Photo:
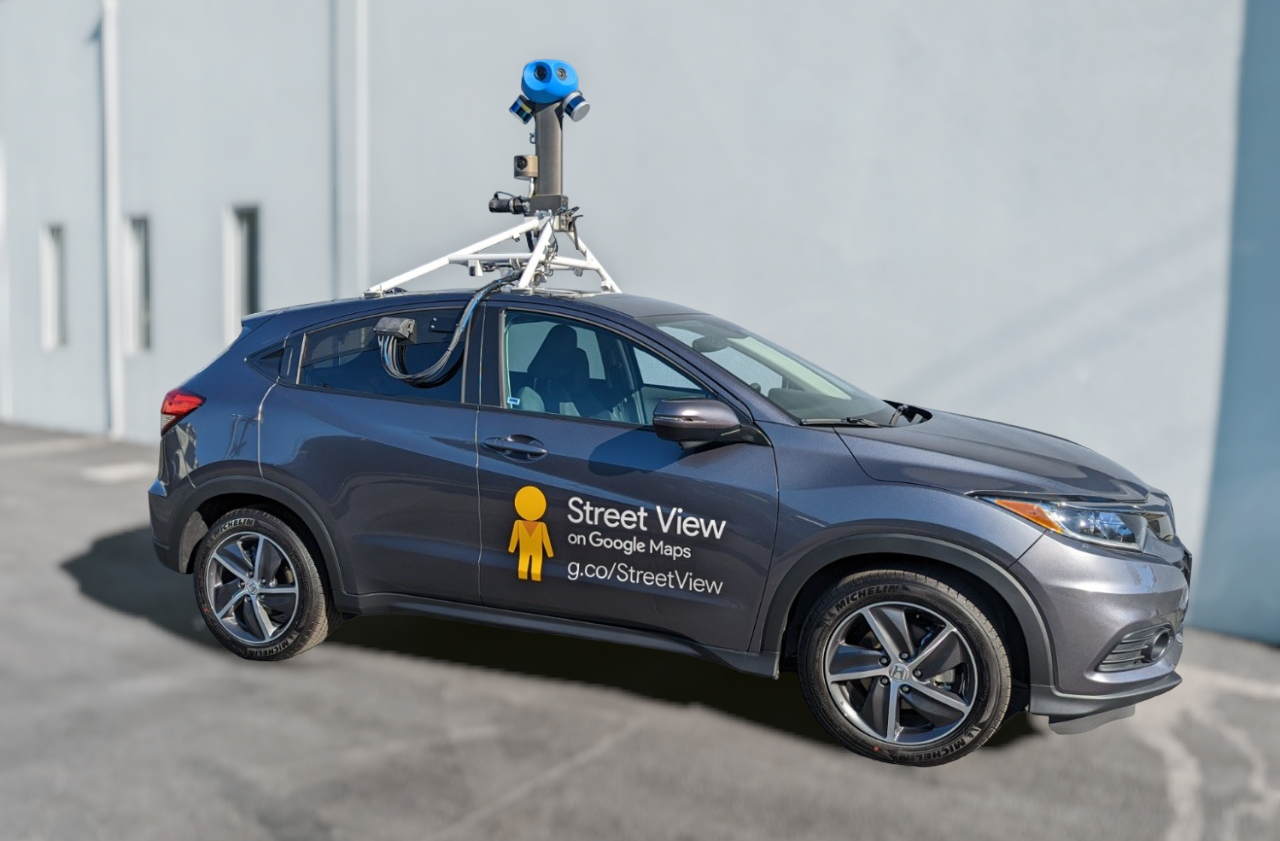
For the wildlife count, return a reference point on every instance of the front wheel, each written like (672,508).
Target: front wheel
(259,589)
(904,668)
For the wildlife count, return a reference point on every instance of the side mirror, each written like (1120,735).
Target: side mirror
(695,420)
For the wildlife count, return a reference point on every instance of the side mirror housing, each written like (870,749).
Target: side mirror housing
(696,420)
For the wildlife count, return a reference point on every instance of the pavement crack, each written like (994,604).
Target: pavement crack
(1184,779)
(544,778)
(1185,773)
(1265,804)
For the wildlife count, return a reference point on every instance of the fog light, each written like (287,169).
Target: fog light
(1158,648)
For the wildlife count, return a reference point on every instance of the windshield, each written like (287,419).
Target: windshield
(802,390)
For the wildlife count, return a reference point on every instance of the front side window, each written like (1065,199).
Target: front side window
(347,358)
(799,388)
(559,366)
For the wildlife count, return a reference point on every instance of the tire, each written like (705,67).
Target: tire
(941,701)
(259,589)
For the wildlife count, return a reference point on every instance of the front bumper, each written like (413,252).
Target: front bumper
(1060,707)
(1093,601)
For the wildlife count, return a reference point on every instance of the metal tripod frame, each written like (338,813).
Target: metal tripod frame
(534,266)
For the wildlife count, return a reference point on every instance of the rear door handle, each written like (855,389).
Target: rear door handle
(521,447)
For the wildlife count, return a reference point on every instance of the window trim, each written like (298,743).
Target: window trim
(139,321)
(495,398)
(52,269)
(302,341)
(241,264)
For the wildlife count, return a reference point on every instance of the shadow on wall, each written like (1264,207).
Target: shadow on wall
(1237,586)
(122,573)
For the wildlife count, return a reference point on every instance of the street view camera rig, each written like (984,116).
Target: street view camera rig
(548,92)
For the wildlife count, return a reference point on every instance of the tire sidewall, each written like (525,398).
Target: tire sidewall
(990,700)
(310,588)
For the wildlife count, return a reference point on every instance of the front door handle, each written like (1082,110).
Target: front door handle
(520,447)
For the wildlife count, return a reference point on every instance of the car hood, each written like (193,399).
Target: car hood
(967,454)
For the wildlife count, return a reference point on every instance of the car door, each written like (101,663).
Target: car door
(390,466)
(586,513)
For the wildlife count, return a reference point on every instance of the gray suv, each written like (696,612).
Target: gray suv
(619,468)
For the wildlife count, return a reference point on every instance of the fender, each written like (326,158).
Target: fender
(227,485)
(1039,649)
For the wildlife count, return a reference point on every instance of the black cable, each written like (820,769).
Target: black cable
(391,331)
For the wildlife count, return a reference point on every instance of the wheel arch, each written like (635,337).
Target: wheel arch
(216,497)
(1016,615)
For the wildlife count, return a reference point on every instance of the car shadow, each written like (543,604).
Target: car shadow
(121,572)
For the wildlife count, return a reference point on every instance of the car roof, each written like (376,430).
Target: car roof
(303,316)
(633,306)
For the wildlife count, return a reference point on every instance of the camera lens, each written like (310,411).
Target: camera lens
(522,162)
(560,74)
(540,72)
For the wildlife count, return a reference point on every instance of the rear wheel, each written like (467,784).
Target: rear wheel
(259,589)
(904,668)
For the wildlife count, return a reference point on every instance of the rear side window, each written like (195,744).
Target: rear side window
(347,358)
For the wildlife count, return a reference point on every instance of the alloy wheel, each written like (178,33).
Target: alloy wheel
(251,587)
(901,673)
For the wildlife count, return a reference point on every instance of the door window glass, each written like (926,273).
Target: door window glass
(347,358)
(562,367)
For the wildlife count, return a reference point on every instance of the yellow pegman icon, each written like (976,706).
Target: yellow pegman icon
(529,532)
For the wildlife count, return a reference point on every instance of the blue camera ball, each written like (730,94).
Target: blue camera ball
(546,80)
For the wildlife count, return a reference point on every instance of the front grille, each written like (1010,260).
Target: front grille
(1135,650)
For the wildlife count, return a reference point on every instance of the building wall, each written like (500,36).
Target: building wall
(1238,589)
(222,105)
(1017,211)
(52,140)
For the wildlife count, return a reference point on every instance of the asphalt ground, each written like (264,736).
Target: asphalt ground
(121,718)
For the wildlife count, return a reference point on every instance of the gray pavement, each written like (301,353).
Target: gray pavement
(121,718)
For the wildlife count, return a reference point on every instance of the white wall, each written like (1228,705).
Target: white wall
(222,104)
(49,95)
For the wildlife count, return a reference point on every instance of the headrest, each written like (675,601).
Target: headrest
(556,356)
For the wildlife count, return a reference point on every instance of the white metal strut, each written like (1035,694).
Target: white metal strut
(533,266)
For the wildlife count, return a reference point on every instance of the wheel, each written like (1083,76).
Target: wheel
(904,668)
(258,587)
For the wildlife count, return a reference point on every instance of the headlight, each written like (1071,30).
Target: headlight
(1119,526)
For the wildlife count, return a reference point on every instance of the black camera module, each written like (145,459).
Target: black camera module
(540,72)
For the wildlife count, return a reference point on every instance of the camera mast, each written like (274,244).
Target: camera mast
(548,93)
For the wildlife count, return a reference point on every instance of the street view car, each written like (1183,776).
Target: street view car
(619,468)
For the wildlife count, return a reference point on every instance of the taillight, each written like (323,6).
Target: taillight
(177,405)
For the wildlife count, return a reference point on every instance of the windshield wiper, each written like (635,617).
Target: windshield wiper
(839,422)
